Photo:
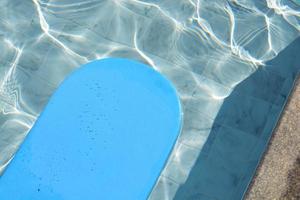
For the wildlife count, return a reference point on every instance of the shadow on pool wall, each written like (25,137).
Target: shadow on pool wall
(241,131)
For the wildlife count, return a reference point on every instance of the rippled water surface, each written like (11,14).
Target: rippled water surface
(205,47)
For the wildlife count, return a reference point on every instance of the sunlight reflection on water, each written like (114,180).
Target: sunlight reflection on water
(204,47)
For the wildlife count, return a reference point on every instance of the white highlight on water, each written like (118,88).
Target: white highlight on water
(205,47)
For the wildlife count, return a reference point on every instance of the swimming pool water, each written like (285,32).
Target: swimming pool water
(230,61)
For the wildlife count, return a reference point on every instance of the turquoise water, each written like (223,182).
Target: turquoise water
(297,1)
(207,48)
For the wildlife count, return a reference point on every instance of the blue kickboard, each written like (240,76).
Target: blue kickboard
(106,133)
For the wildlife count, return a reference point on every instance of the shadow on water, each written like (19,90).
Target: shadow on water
(241,131)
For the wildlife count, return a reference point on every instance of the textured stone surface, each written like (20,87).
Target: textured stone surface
(278,176)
